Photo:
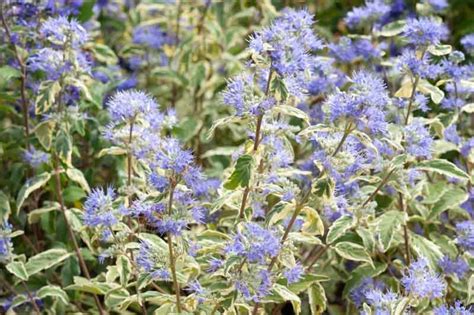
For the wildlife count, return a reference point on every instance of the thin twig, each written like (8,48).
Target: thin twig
(70,231)
(30,296)
(405,230)
(171,251)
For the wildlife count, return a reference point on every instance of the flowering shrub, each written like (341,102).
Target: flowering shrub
(220,157)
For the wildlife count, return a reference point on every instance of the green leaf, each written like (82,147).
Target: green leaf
(426,248)
(440,50)
(31,185)
(18,269)
(4,206)
(224,151)
(435,92)
(339,228)
(450,199)
(112,151)
(470,290)
(313,224)
(442,167)
(125,269)
(35,215)
(352,251)
(7,73)
(291,111)
(317,299)
(387,225)
(76,175)
(45,260)
(305,282)
(54,292)
(44,133)
(287,295)
(104,53)
(392,29)
(241,174)
(468,108)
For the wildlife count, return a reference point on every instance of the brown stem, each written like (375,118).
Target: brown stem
(347,131)
(171,251)
(382,183)
(33,302)
(24,103)
(82,263)
(405,230)
(256,143)
(318,255)
(412,98)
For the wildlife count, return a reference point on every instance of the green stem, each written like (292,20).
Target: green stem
(171,251)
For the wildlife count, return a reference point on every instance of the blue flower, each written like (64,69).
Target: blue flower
(421,282)
(468,43)
(49,61)
(294,274)
(196,288)
(60,31)
(458,266)
(215,264)
(127,105)
(359,293)
(98,208)
(423,68)
(451,135)
(456,309)
(364,103)
(371,12)
(35,157)
(255,243)
(380,301)
(418,139)
(153,261)
(465,235)
(425,31)
(6,245)
(151,36)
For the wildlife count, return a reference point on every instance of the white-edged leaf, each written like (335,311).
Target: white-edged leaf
(31,185)
(451,198)
(426,248)
(76,175)
(53,291)
(18,269)
(392,29)
(45,260)
(442,167)
(352,251)
(339,228)
(440,50)
(287,295)
(317,298)
(387,225)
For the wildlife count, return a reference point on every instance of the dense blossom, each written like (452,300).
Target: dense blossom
(457,266)
(371,12)
(98,209)
(425,31)
(421,282)
(153,261)
(419,140)
(456,309)
(255,243)
(465,232)
(61,31)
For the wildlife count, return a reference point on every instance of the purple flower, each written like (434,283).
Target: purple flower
(151,36)
(255,243)
(294,274)
(438,5)
(370,13)
(468,43)
(98,208)
(457,267)
(425,31)
(196,288)
(465,235)
(60,31)
(467,147)
(451,135)
(215,264)
(35,157)
(153,261)
(418,139)
(358,294)
(456,309)
(6,245)
(421,282)
(127,105)
(423,68)
(380,301)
